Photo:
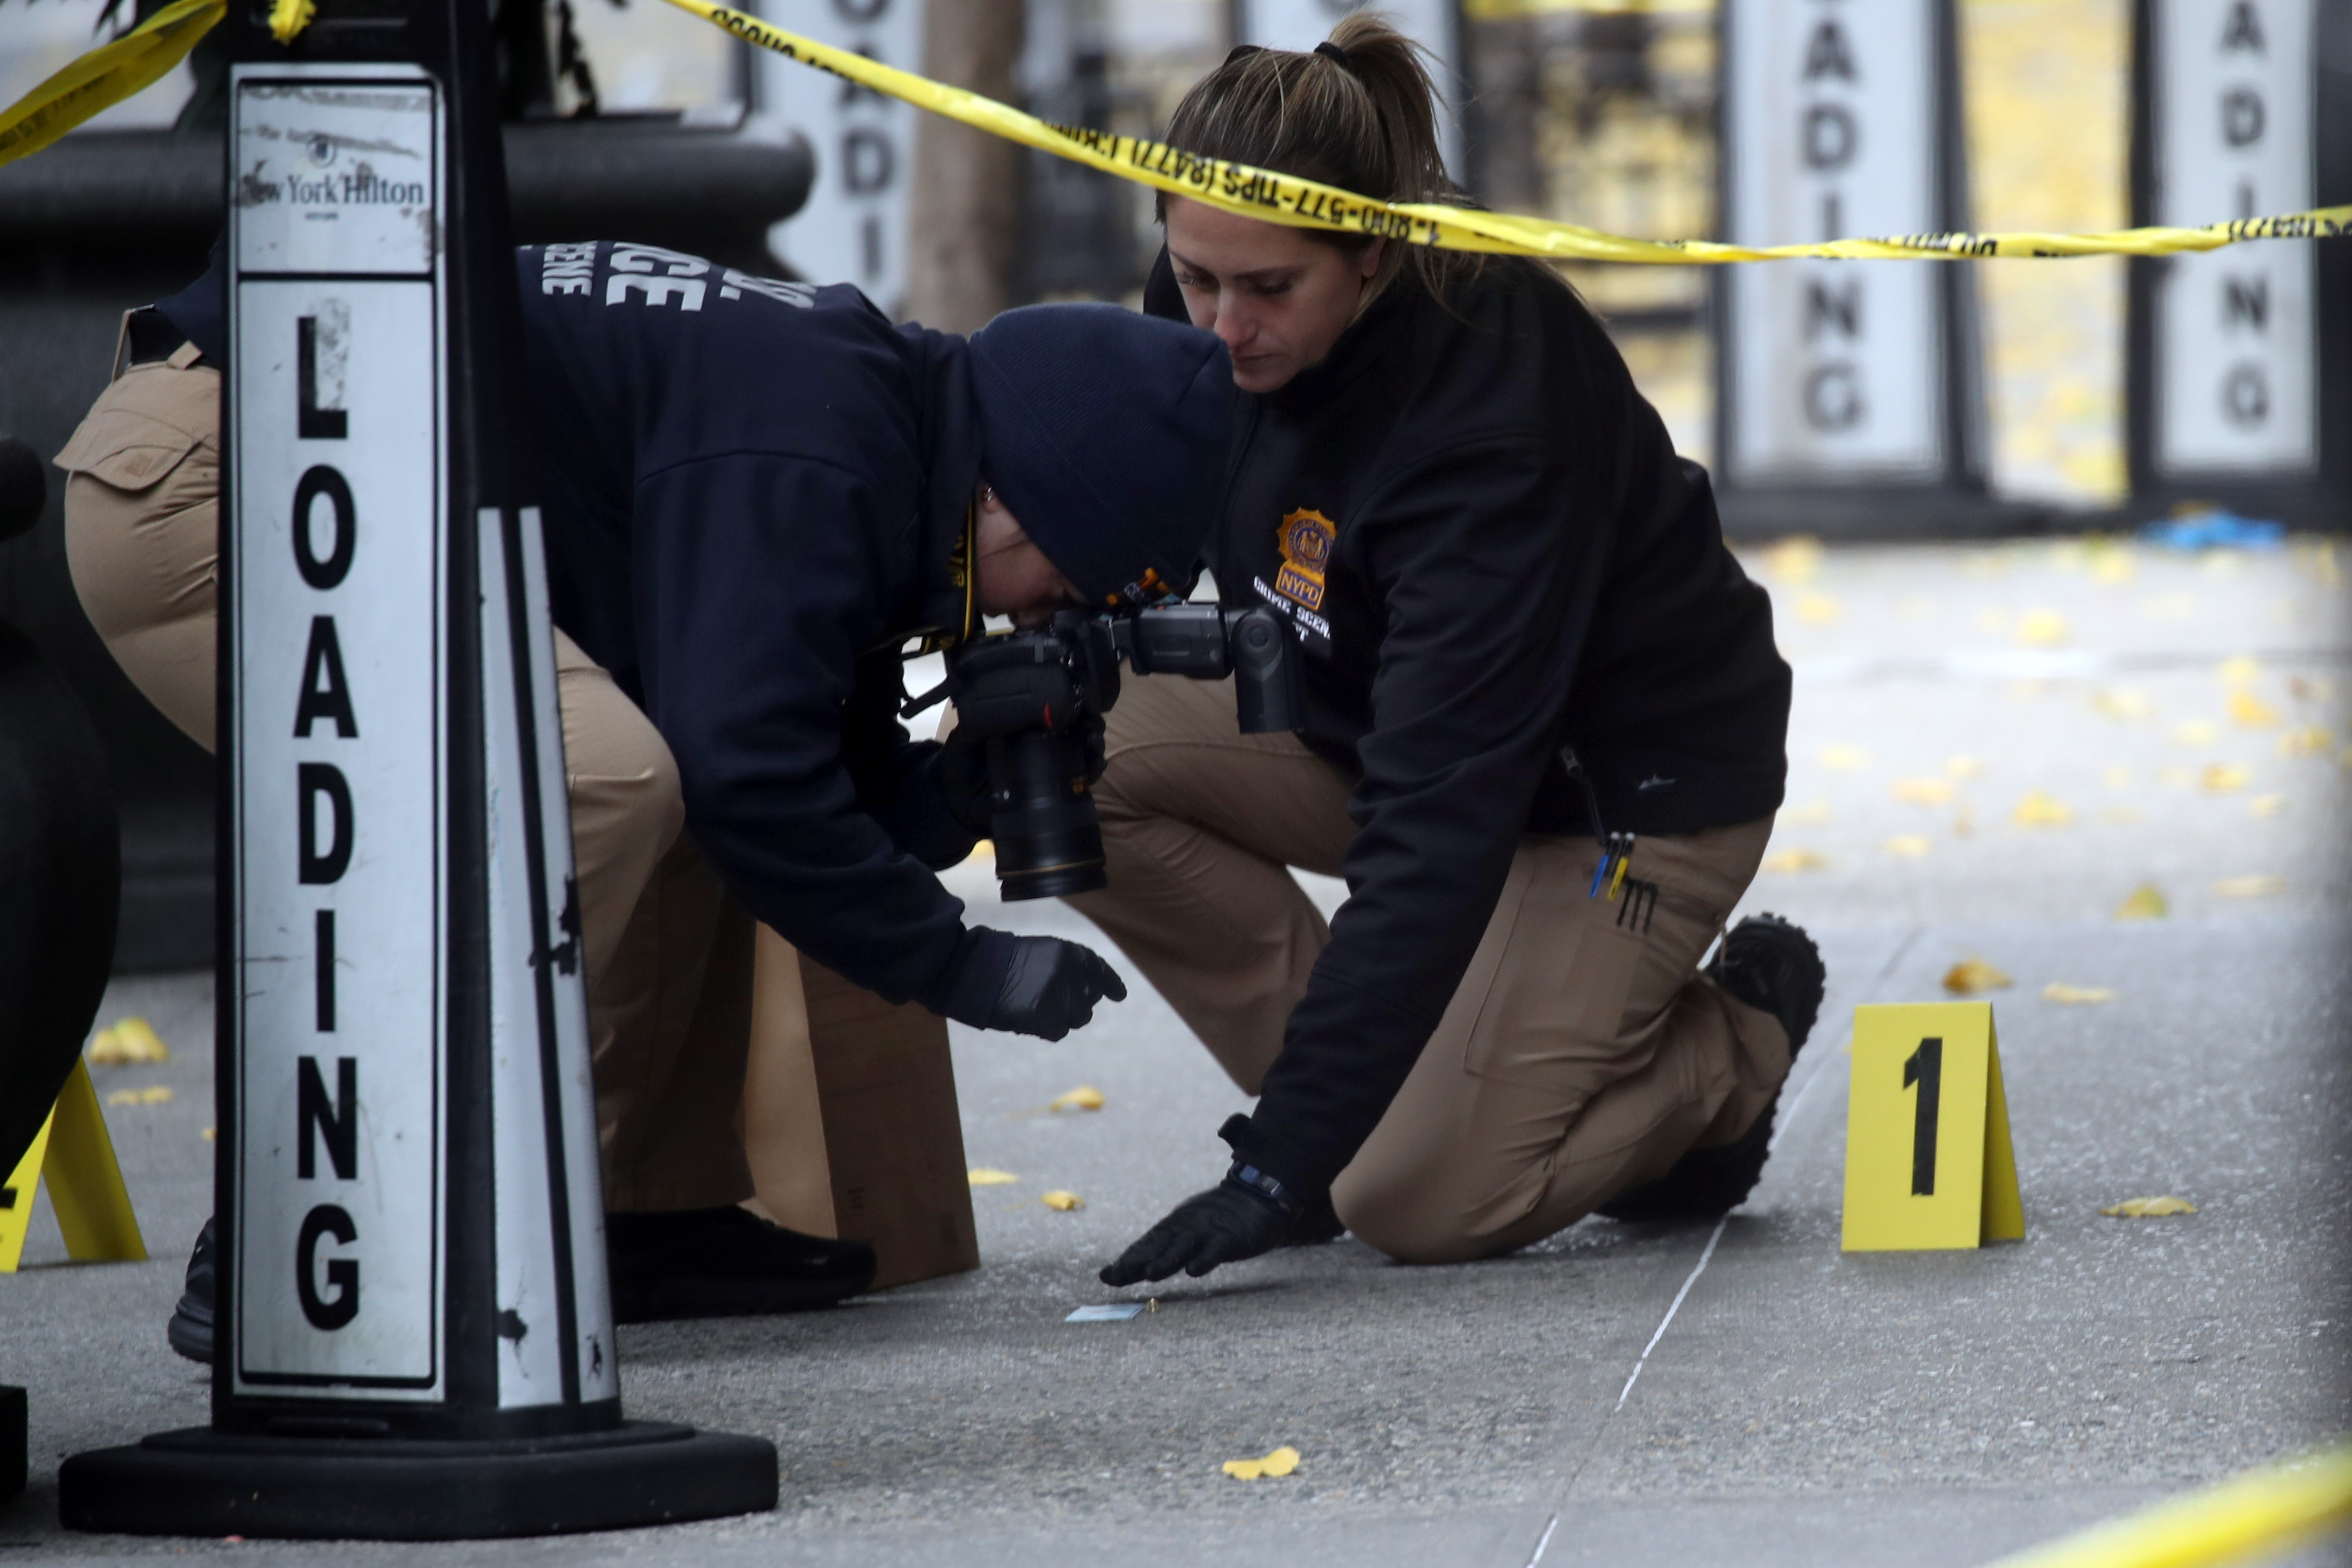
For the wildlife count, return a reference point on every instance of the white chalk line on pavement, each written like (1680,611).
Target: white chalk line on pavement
(1549,1525)
(1677,1307)
(1820,1067)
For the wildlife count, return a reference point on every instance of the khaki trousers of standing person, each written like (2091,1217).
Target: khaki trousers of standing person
(1583,1053)
(668,954)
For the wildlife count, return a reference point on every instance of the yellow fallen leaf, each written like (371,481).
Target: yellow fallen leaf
(2240,670)
(1974,977)
(1795,860)
(2323,564)
(2174,776)
(1281,1462)
(2249,712)
(2111,565)
(1964,822)
(1924,792)
(2270,806)
(2221,778)
(1963,767)
(129,1040)
(154,1094)
(2039,809)
(2197,732)
(2042,629)
(2076,995)
(1909,845)
(1812,814)
(2307,690)
(2145,904)
(2148,1208)
(982,1176)
(2118,778)
(2305,740)
(1085,1096)
(1844,758)
(2249,886)
(1062,1201)
(1819,610)
(210,1133)
(1795,559)
(2125,702)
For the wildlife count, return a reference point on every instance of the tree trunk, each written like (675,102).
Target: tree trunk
(962,233)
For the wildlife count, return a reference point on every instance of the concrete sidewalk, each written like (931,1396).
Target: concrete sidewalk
(1802,1407)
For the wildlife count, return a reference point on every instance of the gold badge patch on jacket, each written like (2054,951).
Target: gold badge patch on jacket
(1306,538)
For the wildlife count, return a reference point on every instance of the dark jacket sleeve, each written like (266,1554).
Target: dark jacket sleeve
(896,777)
(760,579)
(1486,569)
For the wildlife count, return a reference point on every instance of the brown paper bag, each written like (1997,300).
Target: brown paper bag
(850,1119)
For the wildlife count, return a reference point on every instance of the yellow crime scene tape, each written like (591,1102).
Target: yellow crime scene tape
(114,71)
(105,77)
(1306,204)
(2245,1518)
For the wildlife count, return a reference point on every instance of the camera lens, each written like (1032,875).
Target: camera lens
(1048,838)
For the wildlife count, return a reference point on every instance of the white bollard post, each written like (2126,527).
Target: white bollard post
(1849,393)
(2236,398)
(413,1335)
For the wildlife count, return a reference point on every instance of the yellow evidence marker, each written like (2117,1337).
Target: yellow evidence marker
(1928,1157)
(73,1154)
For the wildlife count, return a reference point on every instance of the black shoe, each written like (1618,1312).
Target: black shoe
(1766,963)
(1318,1223)
(725,1263)
(191,1328)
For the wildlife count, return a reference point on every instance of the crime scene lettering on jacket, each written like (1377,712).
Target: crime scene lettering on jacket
(651,276)
(1313,631)
(567,268)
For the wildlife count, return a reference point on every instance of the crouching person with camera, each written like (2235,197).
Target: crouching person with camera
(1544,737)
(757,498)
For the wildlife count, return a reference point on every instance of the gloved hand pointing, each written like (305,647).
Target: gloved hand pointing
(1229,1222)
(1038,985)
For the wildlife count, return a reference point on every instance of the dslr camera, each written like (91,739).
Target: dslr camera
(1033,699)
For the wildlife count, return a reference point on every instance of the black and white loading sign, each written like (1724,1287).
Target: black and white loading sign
(340,657)
(2231,392)
(1839,122)
(410,1216)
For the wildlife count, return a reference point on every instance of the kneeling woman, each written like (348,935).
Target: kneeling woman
(1523,635)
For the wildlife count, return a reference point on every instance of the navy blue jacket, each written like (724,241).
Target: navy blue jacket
(754,493)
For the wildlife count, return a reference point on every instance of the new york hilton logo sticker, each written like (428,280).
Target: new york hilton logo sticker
(338,620)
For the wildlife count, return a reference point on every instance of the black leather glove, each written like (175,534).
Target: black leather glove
(1231,1221)
(1038,985)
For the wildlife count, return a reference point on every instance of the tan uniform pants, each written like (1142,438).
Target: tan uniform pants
(668,954)
(1583,1053)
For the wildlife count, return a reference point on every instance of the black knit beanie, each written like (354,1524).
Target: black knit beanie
(1105,433)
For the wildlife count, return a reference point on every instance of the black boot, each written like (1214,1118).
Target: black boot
(191,1328)
(1766,963)
(725,1263)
